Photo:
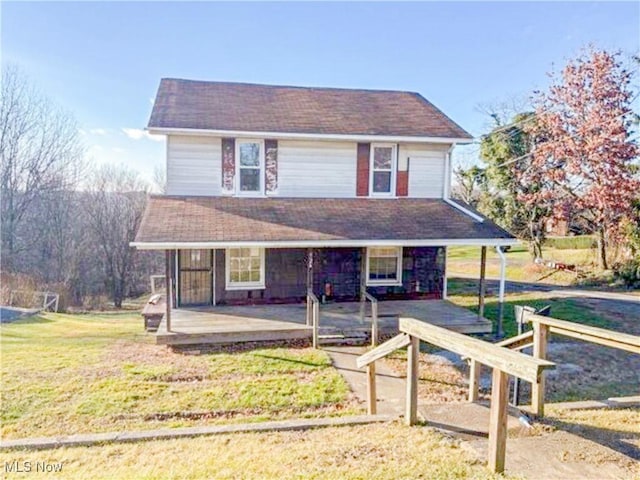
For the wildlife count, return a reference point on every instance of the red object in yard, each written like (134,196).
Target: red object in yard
(328,289)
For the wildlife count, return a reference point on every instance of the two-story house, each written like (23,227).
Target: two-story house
(274,191)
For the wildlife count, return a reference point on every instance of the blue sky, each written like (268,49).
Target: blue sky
(103,61)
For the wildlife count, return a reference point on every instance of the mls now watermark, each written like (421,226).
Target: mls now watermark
(28,466)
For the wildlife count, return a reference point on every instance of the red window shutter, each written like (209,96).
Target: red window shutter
(271,166)
(362,176)
(402,183)
(228,164)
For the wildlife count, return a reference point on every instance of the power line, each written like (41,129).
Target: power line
(522,157)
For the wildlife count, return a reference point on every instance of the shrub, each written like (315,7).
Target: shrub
(571,243)
(628,272)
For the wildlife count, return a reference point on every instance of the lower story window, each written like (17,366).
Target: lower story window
(384,266)
(245,268)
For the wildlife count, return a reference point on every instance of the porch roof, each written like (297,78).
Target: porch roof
(208,222)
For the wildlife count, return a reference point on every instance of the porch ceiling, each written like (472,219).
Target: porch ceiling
(201,222)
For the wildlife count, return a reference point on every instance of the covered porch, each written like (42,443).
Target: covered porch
(240,269)
(337,322)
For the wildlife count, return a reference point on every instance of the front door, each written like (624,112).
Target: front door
(196,274)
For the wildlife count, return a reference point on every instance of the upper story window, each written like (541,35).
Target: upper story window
(382,170)
(250,167)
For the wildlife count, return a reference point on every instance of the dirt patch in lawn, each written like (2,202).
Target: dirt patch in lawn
(441,379)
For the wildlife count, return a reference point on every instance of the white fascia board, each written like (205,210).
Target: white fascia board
(456,205)
(305,136)
(489,242)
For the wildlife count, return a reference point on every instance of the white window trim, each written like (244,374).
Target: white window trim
(386,283)
(259,285)
(394,168)
(261,160)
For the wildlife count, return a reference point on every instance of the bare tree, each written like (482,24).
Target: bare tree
(160,179)
(501,112)
(115,203)
(40,152)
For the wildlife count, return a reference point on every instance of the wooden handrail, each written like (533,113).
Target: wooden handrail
(504,362)
(390,346)
(519,342)
(374,317)
(508,361)
(601,336)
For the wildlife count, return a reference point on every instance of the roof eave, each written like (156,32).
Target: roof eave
(308,136)
(488,242)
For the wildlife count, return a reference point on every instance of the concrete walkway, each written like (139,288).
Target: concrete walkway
(390,387)
(541,453)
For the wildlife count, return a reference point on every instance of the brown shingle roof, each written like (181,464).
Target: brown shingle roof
(227,219)
(266,108)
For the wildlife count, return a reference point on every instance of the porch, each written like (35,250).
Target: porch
(338,322)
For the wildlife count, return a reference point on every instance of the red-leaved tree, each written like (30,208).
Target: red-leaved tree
(582,160)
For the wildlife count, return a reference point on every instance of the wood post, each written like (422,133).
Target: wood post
(498,420)
(374,324)
(482,284)
(540,338)
(411,415)
(474,380)
(168,285)
(371,389)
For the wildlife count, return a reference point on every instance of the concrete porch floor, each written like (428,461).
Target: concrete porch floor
(231,324)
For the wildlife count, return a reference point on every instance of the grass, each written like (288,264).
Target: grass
(614,428)
(66,374)
(562,308)
(389,451)
(465,261)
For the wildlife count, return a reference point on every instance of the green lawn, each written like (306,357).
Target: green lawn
(464,293)
(64,374)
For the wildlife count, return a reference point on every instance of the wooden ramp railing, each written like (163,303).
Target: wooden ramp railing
(503,361)
(374,315)
(517,343)
(543,326)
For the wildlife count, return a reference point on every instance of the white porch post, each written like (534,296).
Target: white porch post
(503,271)
(309,285)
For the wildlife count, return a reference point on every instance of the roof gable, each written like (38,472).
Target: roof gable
(189,104)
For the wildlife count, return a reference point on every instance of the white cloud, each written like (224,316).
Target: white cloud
(138,134)
(98,131)
(81,131)
(118,150)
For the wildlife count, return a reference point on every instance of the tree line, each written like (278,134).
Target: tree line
(66,225)
(570,157)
